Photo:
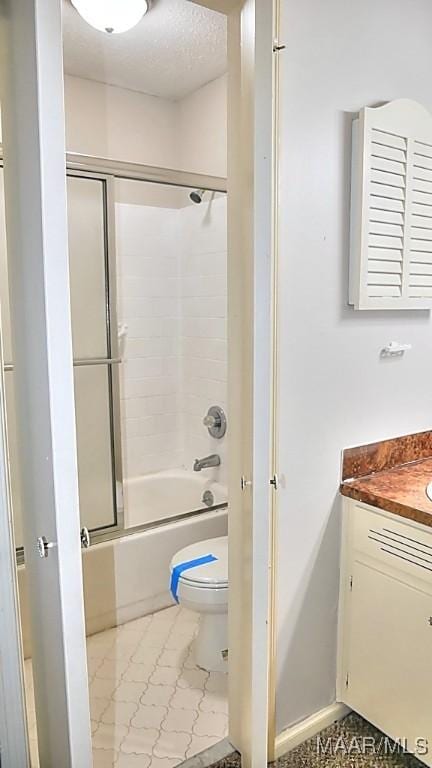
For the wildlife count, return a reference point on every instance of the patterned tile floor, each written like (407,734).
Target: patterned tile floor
(151,707)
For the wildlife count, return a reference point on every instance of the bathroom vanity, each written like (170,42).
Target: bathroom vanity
(385,620)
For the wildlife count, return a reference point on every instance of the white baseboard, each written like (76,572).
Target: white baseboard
(306,729)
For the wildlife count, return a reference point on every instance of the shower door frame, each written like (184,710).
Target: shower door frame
(109,170)
(113,358)
(123,169)
(97,167)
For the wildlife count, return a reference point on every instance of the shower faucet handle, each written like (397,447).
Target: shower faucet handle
(215,421)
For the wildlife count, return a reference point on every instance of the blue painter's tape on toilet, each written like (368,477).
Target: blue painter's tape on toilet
(178,570)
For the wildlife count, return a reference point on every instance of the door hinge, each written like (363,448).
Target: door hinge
(245,483)
(350,583)
(85,538)
(347,680)
(44,546)
(274,481)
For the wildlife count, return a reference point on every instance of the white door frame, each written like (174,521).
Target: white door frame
(252,189)
(32,97)
(250,335)
(252,184)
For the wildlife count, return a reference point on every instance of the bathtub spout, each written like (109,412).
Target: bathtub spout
(207,461)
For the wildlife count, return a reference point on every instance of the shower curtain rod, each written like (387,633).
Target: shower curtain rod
(121,169)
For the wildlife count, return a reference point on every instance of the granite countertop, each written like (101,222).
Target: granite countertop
(392,475)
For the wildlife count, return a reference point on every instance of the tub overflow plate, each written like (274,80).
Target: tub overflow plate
(208,498)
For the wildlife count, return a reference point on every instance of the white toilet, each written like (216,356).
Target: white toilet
(199,581)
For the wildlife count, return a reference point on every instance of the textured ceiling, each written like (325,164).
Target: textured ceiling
(176,48)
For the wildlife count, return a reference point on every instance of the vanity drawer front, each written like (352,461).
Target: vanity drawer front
(399,545)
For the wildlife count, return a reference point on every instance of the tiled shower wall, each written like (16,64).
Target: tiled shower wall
(171,293)
(148,303)
(203,344)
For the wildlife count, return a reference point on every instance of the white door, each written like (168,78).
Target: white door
(250,332)
(36,223)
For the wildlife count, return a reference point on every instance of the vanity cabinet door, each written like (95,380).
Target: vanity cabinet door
(389,655)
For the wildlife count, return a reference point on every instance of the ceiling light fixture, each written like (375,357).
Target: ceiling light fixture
(111,16)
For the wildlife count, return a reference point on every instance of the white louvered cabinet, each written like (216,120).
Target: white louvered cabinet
(385,625)
(391,208)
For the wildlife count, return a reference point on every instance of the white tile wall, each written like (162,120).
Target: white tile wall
(148,302)
(203,286)
(171,285)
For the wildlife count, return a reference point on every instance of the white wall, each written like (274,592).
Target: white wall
(189,134)
(117,123)
(335,390)
(202,129)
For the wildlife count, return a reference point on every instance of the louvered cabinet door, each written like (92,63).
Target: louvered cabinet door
(419,235)
(391,208)
(389,657)
(386,215)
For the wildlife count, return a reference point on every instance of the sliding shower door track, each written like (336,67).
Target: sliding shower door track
(101,167)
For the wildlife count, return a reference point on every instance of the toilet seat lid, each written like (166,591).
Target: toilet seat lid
(212,574)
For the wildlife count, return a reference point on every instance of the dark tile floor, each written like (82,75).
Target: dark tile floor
(350,743)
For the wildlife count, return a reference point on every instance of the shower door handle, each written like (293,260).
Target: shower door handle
(81,362)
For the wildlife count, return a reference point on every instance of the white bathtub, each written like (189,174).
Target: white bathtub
(167,494)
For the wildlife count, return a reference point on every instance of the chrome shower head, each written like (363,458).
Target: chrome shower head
(197,195)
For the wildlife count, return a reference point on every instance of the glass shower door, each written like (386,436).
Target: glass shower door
(94,337)
(94,340)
